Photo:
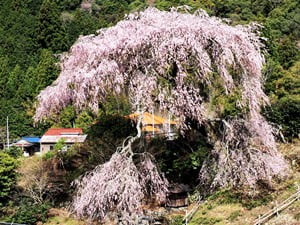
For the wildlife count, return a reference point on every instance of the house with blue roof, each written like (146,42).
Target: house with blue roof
(29,145)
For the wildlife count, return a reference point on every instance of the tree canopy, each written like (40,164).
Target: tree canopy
(185,64)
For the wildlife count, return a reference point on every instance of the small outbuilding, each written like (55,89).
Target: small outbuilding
(154,125)
(29,145)
(178,195)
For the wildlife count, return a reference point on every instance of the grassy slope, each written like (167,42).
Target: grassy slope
(224,207)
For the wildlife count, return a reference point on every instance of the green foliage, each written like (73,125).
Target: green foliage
(234,215)
(65,119)
(226,105)
(68,4)
(176,220)
(232,196)
(30,213)
(45,72)
(207,220)
(111,127)
(116,106)
(284,89)
(7,177)
(181,159)
(79,23)
(84,120)
(285,112)
(137,5)
(14,152)
(59,145)
(51,34)
(110,11)
(13,81)
(69,118)
(4,70)
(49,155)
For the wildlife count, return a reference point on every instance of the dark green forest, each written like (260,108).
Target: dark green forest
(33,34)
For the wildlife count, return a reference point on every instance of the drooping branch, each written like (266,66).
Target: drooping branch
(137,54)
(240,160)
(114,185)
(119,185)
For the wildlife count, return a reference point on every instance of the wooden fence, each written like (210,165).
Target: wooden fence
(5,223)
(189,215)
(275,211)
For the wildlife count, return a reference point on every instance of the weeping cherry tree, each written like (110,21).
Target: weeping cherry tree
(184,64)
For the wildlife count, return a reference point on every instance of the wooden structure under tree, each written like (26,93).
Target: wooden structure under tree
(178,195)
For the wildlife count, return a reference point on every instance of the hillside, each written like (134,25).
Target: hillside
(226,207)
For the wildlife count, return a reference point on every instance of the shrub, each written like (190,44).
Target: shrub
(8,167)
(34,179)
(285,112)
(14,152)
(30,213)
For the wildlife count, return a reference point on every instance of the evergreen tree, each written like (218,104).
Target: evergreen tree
(14,81)
(46,70)
(51,34)
(4,71)
(7,177)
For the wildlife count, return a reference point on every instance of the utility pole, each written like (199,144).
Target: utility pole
(169,126)
(153,122)
(7,132)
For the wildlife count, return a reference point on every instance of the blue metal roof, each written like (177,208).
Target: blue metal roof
(32,139)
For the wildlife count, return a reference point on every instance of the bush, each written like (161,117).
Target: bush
(34,179)
(285,112)
(181,159)
(8,167)
(283,87)
(49,155)
(30,213)
(14,152)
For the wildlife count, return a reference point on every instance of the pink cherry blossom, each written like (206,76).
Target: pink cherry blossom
(164,60)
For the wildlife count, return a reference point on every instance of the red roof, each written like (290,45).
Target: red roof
(61,131)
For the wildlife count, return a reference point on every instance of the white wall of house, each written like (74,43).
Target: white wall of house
(46,147)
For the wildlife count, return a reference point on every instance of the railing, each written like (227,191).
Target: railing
(4,223)
(259,221)
(189,215)
(275,211)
